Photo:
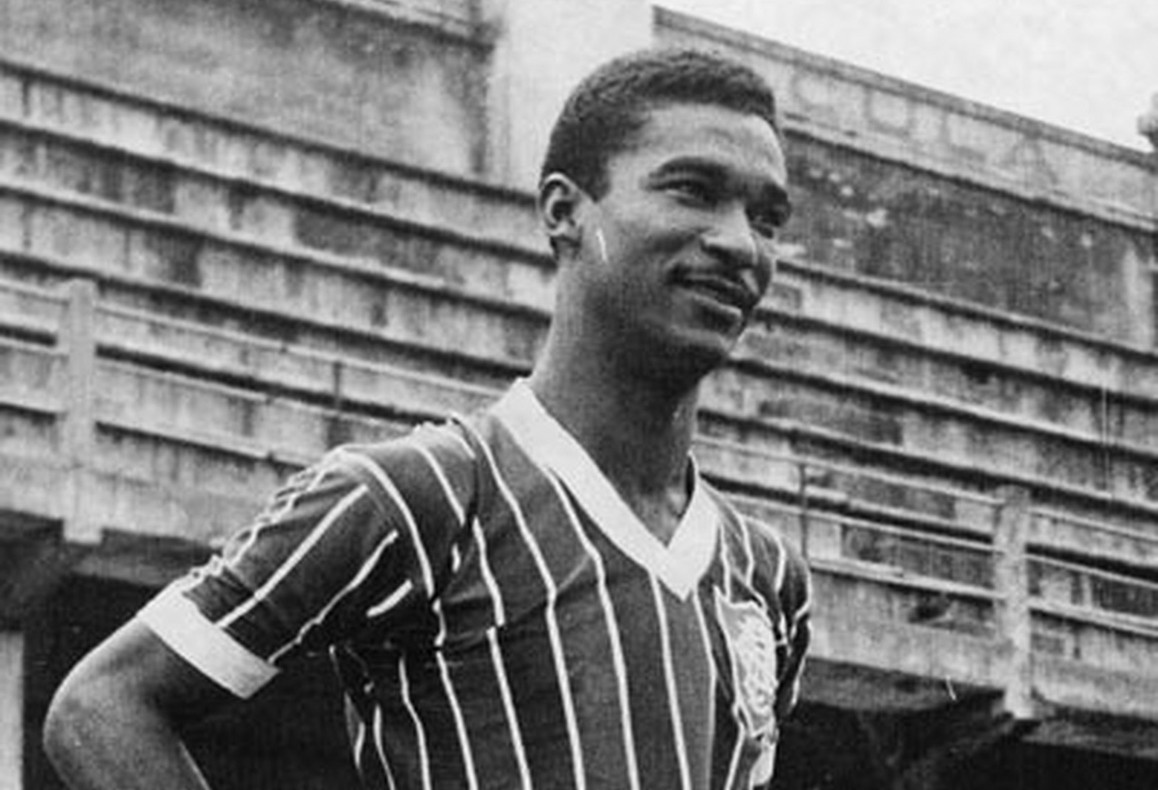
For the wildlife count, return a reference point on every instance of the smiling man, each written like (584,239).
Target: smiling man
(546,594)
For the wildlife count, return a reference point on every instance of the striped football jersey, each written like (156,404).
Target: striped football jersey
(500,618)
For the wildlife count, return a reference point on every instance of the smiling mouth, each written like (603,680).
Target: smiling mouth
(723,292)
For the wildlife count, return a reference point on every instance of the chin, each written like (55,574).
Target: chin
(682,355)
(695,358)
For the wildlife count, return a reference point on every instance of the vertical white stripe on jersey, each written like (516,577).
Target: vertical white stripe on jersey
(782,623)
(492,633)
(713,678)
(459,723)
(509,709)
(462,423)
(420,734)
(460,521)
(726,561)
(440,636)
(298,554)
(734,765)
(440,475)
(749,553)
(677,720)
(781,562)
(617,659)
(488,576)
(354,583)
(359,745)
(391,600)
(552,623)
(411,527)
(381,748)
(497,656)
(277,509)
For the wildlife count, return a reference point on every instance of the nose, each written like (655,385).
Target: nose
(732,238)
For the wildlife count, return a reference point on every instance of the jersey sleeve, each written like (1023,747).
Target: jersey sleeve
(356,541)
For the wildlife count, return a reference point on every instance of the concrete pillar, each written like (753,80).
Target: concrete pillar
(1148,317)
(1148,123)
(1011,575)
(11,710)
(78,339)
(541,49)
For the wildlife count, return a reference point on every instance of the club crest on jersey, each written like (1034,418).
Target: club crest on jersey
(752,646)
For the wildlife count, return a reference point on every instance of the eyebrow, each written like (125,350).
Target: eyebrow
(774,197)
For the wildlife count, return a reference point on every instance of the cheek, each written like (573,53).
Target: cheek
(659,229)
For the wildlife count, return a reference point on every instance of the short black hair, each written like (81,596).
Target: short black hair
(606,110)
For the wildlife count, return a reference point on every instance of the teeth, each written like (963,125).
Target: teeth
(718,287)
(720,293)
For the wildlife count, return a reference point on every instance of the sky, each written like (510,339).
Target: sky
(1090,66)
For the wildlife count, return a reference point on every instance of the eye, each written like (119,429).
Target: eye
(768,220)
(695,190)
(765,225)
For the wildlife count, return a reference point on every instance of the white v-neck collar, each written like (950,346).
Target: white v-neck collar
(681,563)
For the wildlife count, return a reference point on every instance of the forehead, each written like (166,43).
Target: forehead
(738,141)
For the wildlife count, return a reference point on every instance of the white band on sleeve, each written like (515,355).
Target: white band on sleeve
(180,625)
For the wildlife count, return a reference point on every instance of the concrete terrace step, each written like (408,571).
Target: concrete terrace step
(164,444)
(328,224)
(191,205)
(188,252)
(875,355)
(991,338)
(410,308)
(377,237)
(260,162)
(166,428)
(228,391)
(198,449)
(402,251)
(248,199)
(180,508)
(268,213)
(100,237)
(145,131)
(167,371)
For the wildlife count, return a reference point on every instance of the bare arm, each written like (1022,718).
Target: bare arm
(114,722)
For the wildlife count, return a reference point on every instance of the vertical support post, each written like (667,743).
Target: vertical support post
(337,431)
(1011,575)
(802,502)
(1148,123)
(1148,287)
(11,710)
(541,50)
(79,429)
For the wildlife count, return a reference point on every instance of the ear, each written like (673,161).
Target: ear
(559,200)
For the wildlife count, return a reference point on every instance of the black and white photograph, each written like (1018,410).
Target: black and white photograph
(578,395)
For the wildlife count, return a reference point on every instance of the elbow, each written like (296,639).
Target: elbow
(65,723)
(81,721)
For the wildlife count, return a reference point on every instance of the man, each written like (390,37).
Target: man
(546,594)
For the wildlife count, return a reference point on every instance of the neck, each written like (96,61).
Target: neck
(638,431)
